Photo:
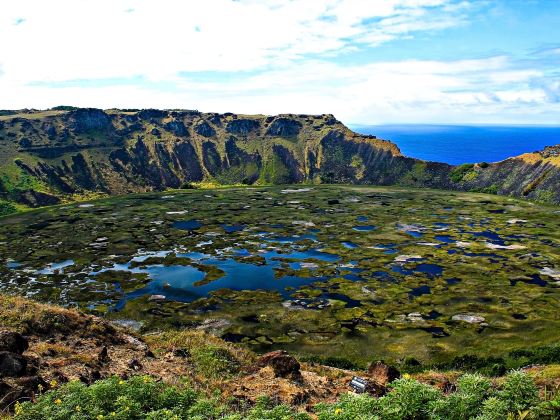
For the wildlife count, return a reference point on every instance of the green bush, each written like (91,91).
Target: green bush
(265,409)
(135,398)
(408,399)
(349,407)
(494,409)
(142,397)
(472,391)
(6,208)
(459,172)
(519,391)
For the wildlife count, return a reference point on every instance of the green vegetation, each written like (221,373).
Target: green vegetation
(484,255)
(142,397)
(6,208)
(462,172)
(475,398)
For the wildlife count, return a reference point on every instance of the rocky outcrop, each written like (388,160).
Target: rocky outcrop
(204,129)
(283,365)
(284,127)
(13,342)
(383,374)
(242,126)
(34,198)
(86,119)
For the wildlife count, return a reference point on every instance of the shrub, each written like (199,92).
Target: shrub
(459,172)
(408,399)
(519,391)
(472,390)
(483,165)
(6,208)
(110,398)
(494,409)
(265,409)
(349,407)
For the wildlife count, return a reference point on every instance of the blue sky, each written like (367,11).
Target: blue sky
(365,61)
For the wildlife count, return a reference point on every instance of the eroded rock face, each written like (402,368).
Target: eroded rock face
(86,119)
(242,126)
(284,127)
(34,198)
(13,342)
(204,129)
(12,364)
(383,374)
(89,150)
(177,128)
(151,114)
(283,365)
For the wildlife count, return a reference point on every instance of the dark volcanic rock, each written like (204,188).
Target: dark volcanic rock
(282,364)
(85,119)
(204,129)
(12,364)
(34,198)
(284,127)
(13,342)
(156,132)
(151,114)
(177,128)
(383,374)
(242,126)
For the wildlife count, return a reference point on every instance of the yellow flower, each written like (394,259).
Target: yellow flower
(18,410)
(53,383)
(121,382)
(406,376)
(58,401)
(78,408)
(338,411)
(113,414)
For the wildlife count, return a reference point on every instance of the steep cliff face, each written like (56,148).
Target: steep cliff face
(49,155)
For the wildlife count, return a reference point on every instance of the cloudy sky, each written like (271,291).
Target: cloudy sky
(366,61)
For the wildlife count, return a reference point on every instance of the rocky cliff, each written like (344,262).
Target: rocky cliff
(48,156)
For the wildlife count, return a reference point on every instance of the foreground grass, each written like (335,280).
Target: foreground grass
(142,397)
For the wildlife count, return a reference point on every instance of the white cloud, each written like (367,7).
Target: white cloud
(280,55)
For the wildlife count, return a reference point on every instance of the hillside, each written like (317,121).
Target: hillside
(49,156)
(72,365)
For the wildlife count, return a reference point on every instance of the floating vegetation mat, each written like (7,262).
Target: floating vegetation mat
(360,271)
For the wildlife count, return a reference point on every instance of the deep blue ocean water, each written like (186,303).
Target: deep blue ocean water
(464,144)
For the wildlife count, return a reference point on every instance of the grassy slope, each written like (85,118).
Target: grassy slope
(207,364)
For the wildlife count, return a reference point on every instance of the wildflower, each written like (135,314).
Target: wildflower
(406,376)
(53,383)
(18,409)
(58,401)
(121,382)
(338,411)
(39,388)
(78,408)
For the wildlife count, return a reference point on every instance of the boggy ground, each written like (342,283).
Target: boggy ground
(363,272)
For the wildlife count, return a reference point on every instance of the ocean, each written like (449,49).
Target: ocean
(456,144)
